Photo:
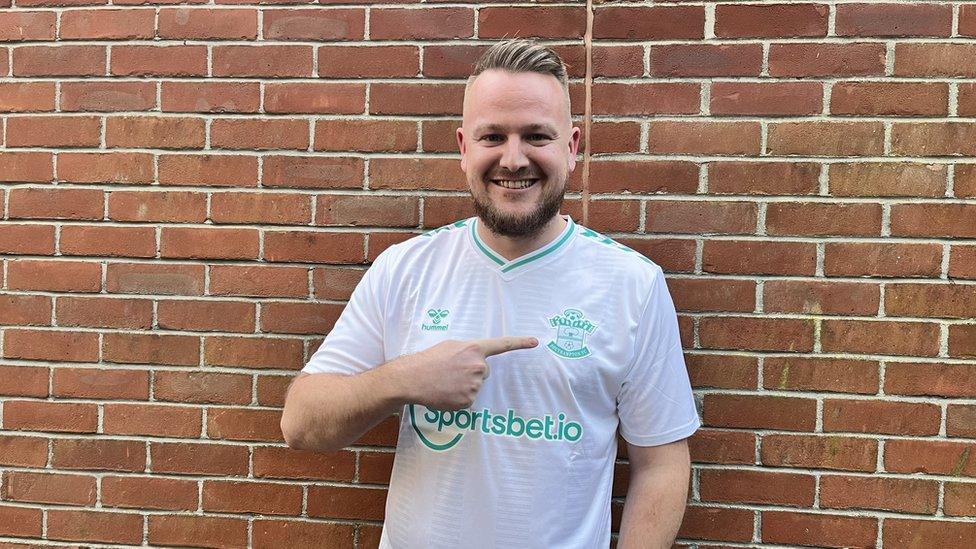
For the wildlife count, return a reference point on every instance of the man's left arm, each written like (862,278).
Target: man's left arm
(656,496)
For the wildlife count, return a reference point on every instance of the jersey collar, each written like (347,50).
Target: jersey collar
(519,264)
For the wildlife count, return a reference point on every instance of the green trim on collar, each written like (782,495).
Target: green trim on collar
(507,266)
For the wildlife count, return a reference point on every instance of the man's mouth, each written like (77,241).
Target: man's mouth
(514,183)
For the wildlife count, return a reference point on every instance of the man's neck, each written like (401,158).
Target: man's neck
(513,247)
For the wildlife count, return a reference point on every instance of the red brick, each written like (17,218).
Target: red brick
(885,494)
(711,294)
(716,446)
(961,421)
(826,138)
(271,390)
(375,467)
(149,493)
(820,452)
(771,21)
(28,25)
(198,458)
(416,98)
(285,463)
(30,239)
(741,486)
(299,318)
(826,60)
(416,173)
(155,279)
(313,172)
(930,300)
(383,211)
(779,178)
(197,530)
(643,176)
(935,139)
(703,138)
(258,281)
(261,208)
(314,24)
(870,259)
(19,167)
(839,298)
(935,60)
(55,203)
(453,60)
(202,387)
(23,381)
(880,337)
(59,61)
(962,340)
(208,170)
(124,168)
(919,534)
(965,101)
(819,218)
(760,412)
(25,310)
(158,206)
(336,282)
(94,383)
(251,497)
(930,457)
(64,417)
(54,131)
(154,132)
(724,372)
(20,521)
(97,240)
(960,499)
(200,243)
(962,262)
(244,424)
(366,135)
(175,350)
(889,98)
(94,526)
(51,345)
(610,60)
(313,247)
(967,20)
(107,24)
(700,217)
(102,455)
(272,533)
(753,333)
(153,420)
(646,98)
(414,24)
(206,316)
(821,529)
(49,488)
(208,24)
(263,61)
(770,99)
(315,97)
(258,134)
(706,60)
(614,215)
(159,61)
(649,23)
(210,96)
(532,22)
(890,19)
(28,96)
(64,276)
(948,220)
(927,379)
(887,179)
(759,257)
(875,416)
(614,137)
(369,61)
(346,502)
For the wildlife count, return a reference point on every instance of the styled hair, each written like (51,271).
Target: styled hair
(521,55)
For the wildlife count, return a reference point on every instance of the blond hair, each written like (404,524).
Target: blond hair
(521,55)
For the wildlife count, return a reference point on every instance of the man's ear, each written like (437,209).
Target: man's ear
(462,146)
(574,141)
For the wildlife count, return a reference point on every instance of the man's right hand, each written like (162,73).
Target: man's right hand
(449,375)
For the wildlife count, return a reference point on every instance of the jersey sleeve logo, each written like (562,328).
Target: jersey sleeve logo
(571,331)
(436,316)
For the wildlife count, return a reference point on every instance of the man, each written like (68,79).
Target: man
(513,344)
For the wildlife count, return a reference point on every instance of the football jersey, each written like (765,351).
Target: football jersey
(530,463)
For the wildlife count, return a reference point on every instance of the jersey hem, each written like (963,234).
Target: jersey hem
(673,435)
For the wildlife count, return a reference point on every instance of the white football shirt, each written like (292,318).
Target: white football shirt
(530,463)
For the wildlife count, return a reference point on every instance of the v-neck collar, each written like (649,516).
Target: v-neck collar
(520,264)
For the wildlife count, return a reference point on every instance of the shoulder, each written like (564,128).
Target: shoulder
(599,249)
(422,246)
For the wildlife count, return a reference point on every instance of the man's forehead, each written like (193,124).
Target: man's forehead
(501,90)
(486,127)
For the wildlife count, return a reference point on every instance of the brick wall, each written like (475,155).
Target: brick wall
(189,194)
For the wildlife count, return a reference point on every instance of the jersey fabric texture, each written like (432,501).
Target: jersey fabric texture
(530,463)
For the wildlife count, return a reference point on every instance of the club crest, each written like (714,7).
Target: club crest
(571,331)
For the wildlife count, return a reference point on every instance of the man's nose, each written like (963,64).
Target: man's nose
(513,157)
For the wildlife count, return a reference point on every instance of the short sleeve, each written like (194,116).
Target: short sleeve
(355,344)
(655,403)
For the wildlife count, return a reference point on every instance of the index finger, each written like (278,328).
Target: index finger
(497,345)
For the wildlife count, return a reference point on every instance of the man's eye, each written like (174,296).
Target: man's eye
(539,137)
(493,137)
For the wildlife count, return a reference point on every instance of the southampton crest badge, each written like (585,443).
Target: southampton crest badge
(571,331)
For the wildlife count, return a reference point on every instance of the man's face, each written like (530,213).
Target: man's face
(518,148)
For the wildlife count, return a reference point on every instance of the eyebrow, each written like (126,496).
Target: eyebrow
(529,128)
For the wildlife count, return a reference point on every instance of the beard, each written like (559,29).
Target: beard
(519,225)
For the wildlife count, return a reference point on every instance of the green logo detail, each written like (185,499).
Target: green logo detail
(436,316)
(441,430)
(571,331)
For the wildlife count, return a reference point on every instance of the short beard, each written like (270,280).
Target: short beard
(518,226)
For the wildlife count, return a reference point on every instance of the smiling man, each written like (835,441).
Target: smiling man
(515,344)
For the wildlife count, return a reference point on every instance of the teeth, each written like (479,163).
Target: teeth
(522,184)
